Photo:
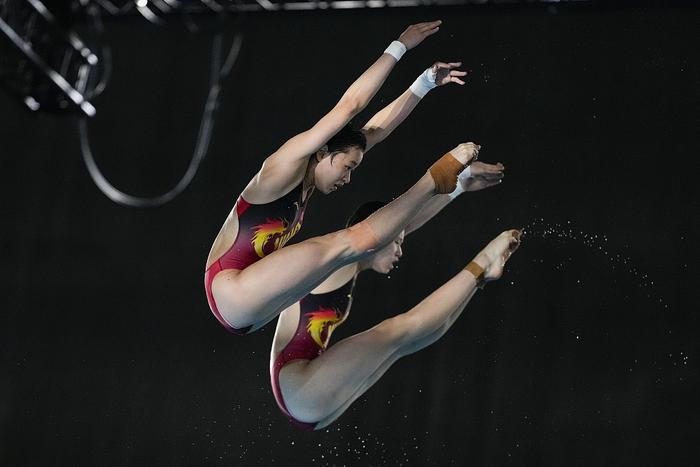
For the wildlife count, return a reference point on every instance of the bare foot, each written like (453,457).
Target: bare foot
(466,153)
(493,258)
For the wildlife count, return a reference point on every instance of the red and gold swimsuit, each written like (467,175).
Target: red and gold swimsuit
(262,229)
(319,315)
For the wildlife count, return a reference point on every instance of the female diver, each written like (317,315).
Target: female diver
(249,278)
(314,383)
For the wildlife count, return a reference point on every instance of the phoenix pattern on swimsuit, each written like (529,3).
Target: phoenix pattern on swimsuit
(321,323)
(271,228)
(264,232)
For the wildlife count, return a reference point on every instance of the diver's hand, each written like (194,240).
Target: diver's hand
(482,176)
(445,73)
(415,33)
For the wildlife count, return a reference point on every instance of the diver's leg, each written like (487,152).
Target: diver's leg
(255,295)
(318,391)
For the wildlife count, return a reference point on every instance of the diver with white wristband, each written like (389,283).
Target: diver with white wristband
(251,274)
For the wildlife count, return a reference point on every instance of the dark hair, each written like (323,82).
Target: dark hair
(364,211)
(345,139)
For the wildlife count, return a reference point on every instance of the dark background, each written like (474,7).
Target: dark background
(585,353)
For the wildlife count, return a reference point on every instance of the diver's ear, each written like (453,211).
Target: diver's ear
(321,153)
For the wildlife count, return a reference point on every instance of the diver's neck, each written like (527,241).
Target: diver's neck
(308,182)
(309,178)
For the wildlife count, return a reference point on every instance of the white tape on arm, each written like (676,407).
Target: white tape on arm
(424,83)
(396,49)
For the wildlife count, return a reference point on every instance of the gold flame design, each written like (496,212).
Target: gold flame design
(323,319)
(264,232)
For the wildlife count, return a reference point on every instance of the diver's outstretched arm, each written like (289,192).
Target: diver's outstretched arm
(296,150)
(391,116)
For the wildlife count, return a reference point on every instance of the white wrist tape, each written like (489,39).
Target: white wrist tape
(464,174)
(396,49)
(424,83)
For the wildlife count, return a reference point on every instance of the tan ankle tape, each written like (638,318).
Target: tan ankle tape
(478,273)
(362,237)
(444,172)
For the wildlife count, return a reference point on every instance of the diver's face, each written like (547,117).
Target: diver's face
(383,261)
(333,171)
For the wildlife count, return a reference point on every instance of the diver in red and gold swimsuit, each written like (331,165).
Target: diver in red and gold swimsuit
(250,275)
(319,315)
(314,382)
(262,230)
